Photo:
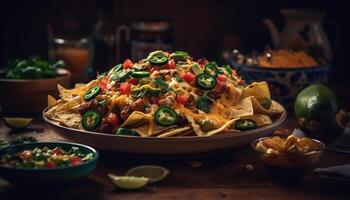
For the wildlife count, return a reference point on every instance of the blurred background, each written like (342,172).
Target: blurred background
(205,28)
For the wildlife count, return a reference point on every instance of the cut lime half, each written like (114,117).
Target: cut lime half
(128,182)
(17,122)
(155,173)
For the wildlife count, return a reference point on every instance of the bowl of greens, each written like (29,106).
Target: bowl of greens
(25,84)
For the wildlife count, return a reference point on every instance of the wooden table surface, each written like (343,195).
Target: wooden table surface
(219,176)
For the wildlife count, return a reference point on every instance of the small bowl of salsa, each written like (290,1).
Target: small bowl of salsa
(43,162)
(288,158)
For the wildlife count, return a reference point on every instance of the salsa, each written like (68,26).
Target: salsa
(46,158)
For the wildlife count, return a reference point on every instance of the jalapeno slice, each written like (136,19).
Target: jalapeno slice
(179,55)
(204,104)
(245,124)
(126,132)
(211,69)
(115,69)
(140,74)
(206,81)
(92,93)
(160,82)
(91,120)
(266,103)
(165,116)
(158,59)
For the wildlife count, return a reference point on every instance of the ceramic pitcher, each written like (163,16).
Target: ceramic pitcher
(302,31)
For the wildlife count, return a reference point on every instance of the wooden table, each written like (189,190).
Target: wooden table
(220,176)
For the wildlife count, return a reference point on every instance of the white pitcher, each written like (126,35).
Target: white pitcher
(303,30)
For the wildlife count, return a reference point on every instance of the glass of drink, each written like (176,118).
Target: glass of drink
(76,53)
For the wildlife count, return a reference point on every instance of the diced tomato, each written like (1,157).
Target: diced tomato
(152,70)
(219,84)
(167,54)
(133,81)
(154,100)
(221,77)
(182,99)
(57,151)
(128,64)
(25,155)
(171,64)
(75,161)
(104,83)
(203,61)
(188,77)
(50,164)
(125,88)
(113,119)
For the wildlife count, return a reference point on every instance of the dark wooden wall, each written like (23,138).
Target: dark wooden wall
(198,25)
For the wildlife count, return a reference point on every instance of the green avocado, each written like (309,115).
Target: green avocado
(316,108)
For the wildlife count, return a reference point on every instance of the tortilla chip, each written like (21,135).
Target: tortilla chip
(222,128)
(195,126)
(143,130)
(70,104)
(275,108)
(243,108)
(260,119)
(51,101)
(72,120)
(259,90)
(136,117)
(174,132)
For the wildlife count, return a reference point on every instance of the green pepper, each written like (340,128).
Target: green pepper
(140,74)
(204,104)
(115,69)
(92,93)
(161,82)
(211,69)
(206,81)
(158,59)
(208,125)
(120,76)
(266,103)
(245,124)
(126,132)
(196,69)
(179,56)
(91,120)
(165,116)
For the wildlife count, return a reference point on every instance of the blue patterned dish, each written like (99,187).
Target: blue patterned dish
(284,84)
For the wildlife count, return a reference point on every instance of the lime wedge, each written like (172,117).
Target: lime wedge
(17,122)
(154,173)
(128,182)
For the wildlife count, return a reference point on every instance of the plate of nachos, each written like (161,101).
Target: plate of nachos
(167,103)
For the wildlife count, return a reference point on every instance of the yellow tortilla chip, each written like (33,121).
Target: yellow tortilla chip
(72,120)
(259,90)
(70,104)
(174,132)
(243,108)
(51,101)
(222,128)
(260,119)
(136,117)
(274,109)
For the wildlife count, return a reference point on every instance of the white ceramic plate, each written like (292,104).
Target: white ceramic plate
(164,146)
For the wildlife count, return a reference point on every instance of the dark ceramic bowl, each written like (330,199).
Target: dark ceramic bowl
(285,84)
(54,175)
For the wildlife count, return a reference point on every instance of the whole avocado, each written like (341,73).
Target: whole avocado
(316,108)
